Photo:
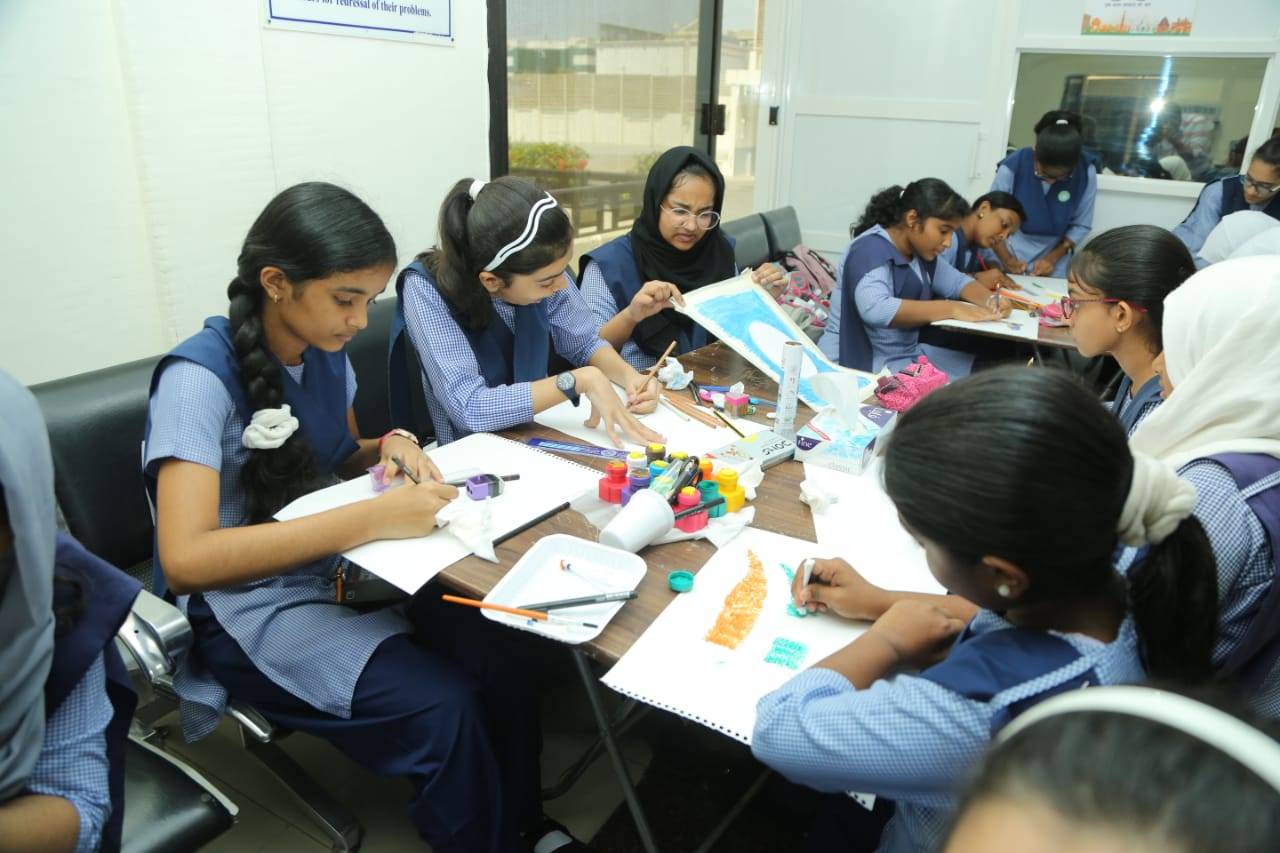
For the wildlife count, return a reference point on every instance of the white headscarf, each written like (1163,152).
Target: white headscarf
(1222,353)
(1240,235)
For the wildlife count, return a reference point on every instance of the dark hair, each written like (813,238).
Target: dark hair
(928,197)
(1001,200)
(692,169)
(309,231)
(1058,485)
(473,231)
(1144,779)
(1141,264)
(1059,138)
(1269,152)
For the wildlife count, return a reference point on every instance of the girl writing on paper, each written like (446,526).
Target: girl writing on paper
(485,307)
(894,282)
(1220,427)
(255,410)
(1052,614)
(992,219)
(1057,185)
(1116,287)
(674,246)
(1124,768)
(65,697)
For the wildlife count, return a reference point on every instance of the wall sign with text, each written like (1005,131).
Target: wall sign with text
(409,20)
(1137,17)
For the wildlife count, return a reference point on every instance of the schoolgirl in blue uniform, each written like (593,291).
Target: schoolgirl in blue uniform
(1220,427)
(1116,287)
(1026,535)
(65,697)
(483,310)
(1057,185)
(891,276)
(1257,189)
(992,219)
(248,414)
(674,246)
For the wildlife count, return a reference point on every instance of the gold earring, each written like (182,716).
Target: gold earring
(980,215)
(275,297)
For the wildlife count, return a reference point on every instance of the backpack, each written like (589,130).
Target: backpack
(806,297)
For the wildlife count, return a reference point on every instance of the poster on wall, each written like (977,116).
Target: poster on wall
(429,21)
(1137,17)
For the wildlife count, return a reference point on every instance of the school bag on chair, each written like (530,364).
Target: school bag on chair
(806,297)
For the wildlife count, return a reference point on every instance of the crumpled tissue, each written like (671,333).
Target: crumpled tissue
(673,375)
(472,523)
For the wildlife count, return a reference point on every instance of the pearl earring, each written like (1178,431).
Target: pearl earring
(980,215)
(1003,590)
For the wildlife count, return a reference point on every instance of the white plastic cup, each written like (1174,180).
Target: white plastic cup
(644,520)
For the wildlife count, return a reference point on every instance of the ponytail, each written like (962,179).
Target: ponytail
(308,232)
(1173,596)
(476,221)
(1059,138)
(928,197)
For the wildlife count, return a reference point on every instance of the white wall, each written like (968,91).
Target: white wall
(142,138)
(876,93)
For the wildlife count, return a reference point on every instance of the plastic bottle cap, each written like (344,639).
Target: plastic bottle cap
(616,470)
(728,478)
(657,448)
(689,491)
(679,454)
(680,581)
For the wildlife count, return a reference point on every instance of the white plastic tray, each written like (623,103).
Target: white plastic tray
(594,568)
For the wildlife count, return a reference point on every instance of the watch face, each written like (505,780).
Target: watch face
(565,382)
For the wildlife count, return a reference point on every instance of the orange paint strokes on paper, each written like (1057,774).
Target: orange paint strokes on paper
(742,606)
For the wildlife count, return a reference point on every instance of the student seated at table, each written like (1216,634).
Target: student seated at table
(992,219)
(1025,532)
(1256,189)
(484,308)
(674,246)
(65,697)
(1116,286)
(1220,427)
(255,410)
(1057,184)
(890,276)
(1124,768)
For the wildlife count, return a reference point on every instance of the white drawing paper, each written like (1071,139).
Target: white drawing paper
(1040,288)
(545,482)
(1019,325)
(744,316)
(690,436)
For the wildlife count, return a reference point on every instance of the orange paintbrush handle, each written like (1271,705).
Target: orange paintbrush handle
(501,608)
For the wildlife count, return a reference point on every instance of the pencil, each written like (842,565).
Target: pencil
(533,522)
(602,598)
(672,406)
(653,371)
(728,423)
(407,472)
(506,478)
(514,611)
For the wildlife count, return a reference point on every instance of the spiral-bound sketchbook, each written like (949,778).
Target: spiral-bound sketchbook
(546,481)
(715,651)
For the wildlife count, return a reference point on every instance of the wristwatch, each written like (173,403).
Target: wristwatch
(568,385)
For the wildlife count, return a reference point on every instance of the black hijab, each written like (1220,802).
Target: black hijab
(708,261)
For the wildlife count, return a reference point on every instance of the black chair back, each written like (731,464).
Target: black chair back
(783,227)
(752,240)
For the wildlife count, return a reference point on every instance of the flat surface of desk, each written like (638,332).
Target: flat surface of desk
(778,509)
(1058,337)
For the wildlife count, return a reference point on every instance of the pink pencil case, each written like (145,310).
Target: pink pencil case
(909,385)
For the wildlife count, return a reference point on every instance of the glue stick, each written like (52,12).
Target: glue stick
(788,389)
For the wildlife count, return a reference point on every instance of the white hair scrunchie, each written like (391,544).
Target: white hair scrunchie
(474,189)
(1158,502)
(269,428)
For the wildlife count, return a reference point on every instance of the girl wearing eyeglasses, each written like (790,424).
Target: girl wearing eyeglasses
(1256,189)
(674,246)
(1116,287)
(1057,186)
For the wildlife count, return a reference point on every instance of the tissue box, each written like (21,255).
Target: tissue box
(829,441)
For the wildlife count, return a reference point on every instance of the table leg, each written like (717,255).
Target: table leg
(615,754)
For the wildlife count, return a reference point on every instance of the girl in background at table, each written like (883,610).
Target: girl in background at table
(1257,189)
(992,219)
(1220,427)
(1053,614)
(1116,287)
(891,273)
(1057,186)
(255,410)
(483,309)
(675,246)
(1124,768)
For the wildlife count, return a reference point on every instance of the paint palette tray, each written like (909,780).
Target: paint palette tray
(592,569)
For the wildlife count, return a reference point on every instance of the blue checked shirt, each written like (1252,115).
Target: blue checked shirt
(1246,566)
(907,738)
(73,762)
(603,309)
(1204,217)
(459,400)
(1029,247)
(289,625)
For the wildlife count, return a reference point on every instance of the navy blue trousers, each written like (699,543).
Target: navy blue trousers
(449,707)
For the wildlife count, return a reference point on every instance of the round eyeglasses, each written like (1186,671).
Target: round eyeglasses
(706,220)
(1069,305)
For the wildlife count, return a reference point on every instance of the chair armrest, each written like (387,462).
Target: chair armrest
(157,636)
(251,721)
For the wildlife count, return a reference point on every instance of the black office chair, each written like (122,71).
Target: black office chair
(783,228)
(752,240)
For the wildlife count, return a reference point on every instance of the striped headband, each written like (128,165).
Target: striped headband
(540,207)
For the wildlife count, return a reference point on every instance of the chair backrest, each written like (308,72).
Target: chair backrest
(368,354)
(783,228)
(752,240)
(96,422)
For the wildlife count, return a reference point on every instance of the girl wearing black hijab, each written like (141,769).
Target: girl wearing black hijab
(675,246)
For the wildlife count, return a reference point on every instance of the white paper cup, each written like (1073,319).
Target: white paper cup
(644,520)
